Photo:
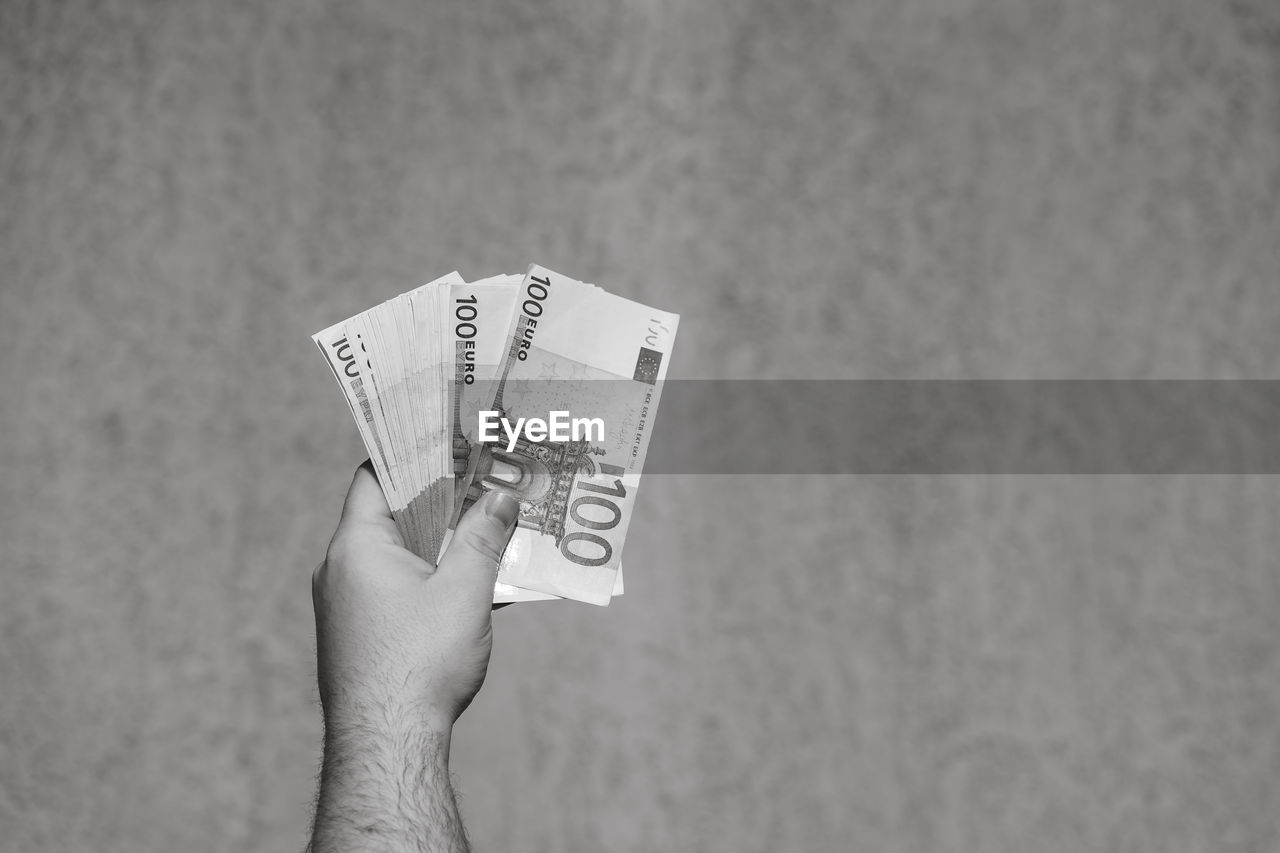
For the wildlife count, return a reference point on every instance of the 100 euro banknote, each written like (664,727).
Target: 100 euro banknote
(572,348)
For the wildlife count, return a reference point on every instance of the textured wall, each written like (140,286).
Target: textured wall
(873,189)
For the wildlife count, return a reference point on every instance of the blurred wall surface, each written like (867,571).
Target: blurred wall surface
(872,189)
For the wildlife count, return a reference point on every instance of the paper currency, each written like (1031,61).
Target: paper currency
(480,313)
(572,347)
(418,370)
(390,363)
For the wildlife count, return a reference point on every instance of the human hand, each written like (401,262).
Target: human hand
(402,649)
(397,639)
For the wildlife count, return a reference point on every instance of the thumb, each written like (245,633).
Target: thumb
(478,542)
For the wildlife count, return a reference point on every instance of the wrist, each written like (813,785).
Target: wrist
(384,784)
(363,711)
(412,733)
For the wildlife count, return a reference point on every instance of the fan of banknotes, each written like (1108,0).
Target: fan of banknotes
(538,385)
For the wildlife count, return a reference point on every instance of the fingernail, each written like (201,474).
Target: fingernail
(503,507)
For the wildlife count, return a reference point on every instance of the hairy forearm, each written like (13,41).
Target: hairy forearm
(384,786)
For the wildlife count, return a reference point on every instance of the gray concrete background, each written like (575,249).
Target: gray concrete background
(926,189)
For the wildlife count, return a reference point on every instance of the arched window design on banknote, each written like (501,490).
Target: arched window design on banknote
(540,474)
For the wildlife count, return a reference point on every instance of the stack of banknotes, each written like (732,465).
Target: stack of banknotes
(538,385)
